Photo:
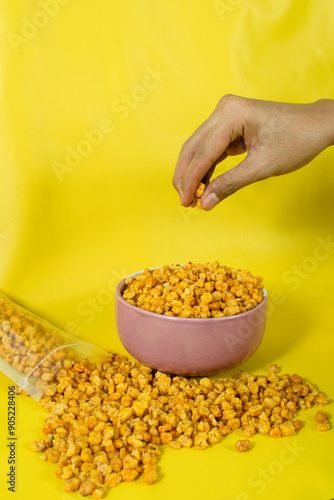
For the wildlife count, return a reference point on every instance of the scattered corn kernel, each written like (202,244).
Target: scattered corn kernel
(106,421)
(322,421)
(323,426)
(321,416)
(119,439)
(243,445)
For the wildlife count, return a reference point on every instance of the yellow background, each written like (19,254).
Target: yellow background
(66,240)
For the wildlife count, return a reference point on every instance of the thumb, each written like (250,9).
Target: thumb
(247,172)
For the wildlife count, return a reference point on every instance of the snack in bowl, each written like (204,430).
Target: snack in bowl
(192,320)
(194,290)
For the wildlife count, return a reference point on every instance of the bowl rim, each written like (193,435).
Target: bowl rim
(163,317)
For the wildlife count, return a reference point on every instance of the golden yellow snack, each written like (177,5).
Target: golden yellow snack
(322,421)
(107,421)
(24,341)
(243,445)
(199,193)
(321,416)
(124,411)
(195,290)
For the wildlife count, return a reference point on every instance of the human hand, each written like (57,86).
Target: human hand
(278,138)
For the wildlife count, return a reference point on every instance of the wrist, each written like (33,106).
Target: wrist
(326,108)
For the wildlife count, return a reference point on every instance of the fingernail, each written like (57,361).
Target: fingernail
(210,201)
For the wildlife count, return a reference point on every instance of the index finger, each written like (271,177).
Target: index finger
(189,149)
(209,152)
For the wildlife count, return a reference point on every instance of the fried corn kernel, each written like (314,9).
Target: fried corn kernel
(287,429)
(195,291)
(200,190)
(323,426)
(298,424)
(249,431)
(198,195)
(243,445)
(129,475)
(150,474)
(38,445)
(100,491)
(125,412)
(113,479)
(72,484)
(321,416)
(275,432)
(86,488)
(322,421)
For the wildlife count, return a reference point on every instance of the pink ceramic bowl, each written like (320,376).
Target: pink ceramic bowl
(189,346)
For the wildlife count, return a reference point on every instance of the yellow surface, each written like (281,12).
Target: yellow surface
(72,224)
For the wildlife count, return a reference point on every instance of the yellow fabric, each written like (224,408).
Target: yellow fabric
(96,101)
